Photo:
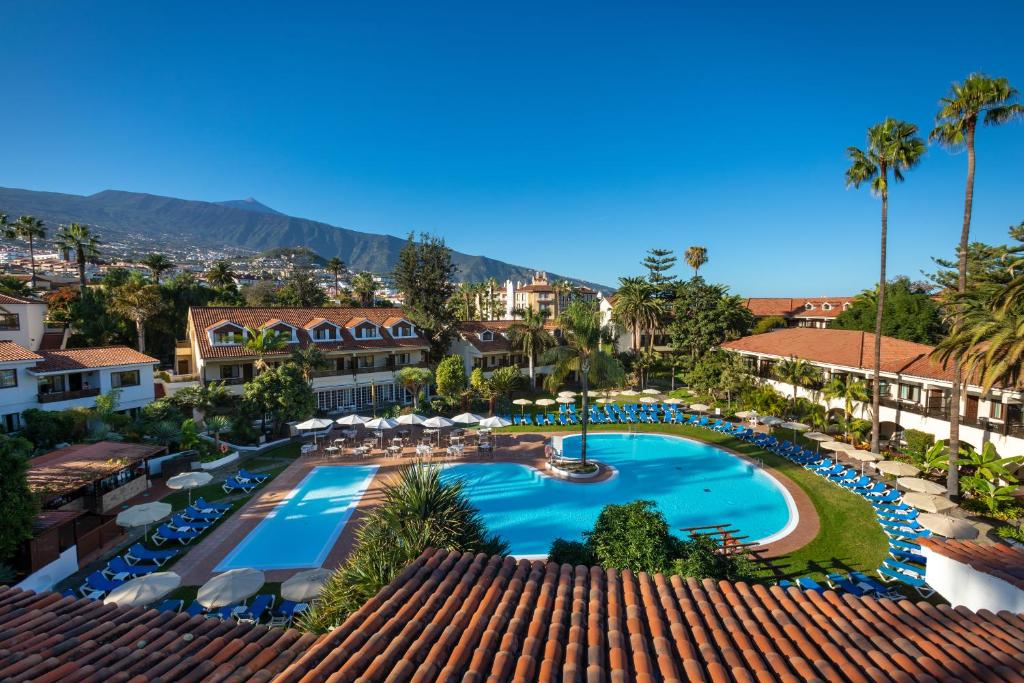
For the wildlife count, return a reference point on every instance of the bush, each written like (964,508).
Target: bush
(918,443)
(1011,532)
(633,536)
(772,322)
(46,428)
(17,504)
(702,561)
(571,552)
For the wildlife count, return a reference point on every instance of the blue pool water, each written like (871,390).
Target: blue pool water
(302,528)
(693,484)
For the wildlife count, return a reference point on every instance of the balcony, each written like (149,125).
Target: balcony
(382,367)
(935,410)
(55,396)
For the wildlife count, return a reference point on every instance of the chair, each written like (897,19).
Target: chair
(284,614)
(170,606)
(165,533)
(809,584)
(201,505)
(232,484)
(98,583)
(139,553)
(195,609)
(879,588)
(891,571)
(181,524)
(843,583)
(225,612)
(258,477)
(194,515)
(259,607)
(117,565)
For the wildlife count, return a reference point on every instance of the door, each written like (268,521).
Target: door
(182,367)
(971,412)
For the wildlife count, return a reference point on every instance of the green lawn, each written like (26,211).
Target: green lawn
(849,537)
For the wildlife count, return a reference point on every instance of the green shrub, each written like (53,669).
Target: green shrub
(46,428)
(769,323)
(633,536)
(17,504)
(701,560)
(918,443)
(571,552)
(1012,532)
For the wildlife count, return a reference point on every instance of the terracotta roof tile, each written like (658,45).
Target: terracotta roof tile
(8,300)
(10,352)
(796,307)
(60,360)
(304,319)
(998,560)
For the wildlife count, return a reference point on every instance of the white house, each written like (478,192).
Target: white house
(485,344)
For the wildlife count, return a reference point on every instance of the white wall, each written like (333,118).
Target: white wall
(31,319)
(22,397)
(961,584)
(55,572)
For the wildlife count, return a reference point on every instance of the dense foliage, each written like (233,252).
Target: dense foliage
(450,378)
(278,395)
(425,276)
(18,506)
(910,313)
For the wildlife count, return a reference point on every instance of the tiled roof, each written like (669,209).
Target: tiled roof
(203,318)
(458,617)
(11,352)
(847,348)
(67,469)
(8,300)
(60,360)
(470,331)
(48,638)
(998,560)
(789,307)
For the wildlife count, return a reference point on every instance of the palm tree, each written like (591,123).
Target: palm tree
(991,101)
(334,267)
(309,360)
(502,382)
(221,274)
(465,298)
(638,307)
(365,288)
(81,240)
(259,343)
(798,373)
(413,379)
(847,389)
(202,398)
(27,228)
(696,257)
(217,425)
(158,264)
(138,304)
(892,146)
(531,338)
(586,352)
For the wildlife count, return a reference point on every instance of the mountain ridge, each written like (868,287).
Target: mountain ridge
(252,226)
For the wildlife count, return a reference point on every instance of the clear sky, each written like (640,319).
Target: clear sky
(569,136)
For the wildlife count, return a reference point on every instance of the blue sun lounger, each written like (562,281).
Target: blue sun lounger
(234,484)
(809,584)
(260,605)
(201,505)
(117,565)
(195,609)
(892,570)
(192,514)
(880,588)
(170,606)
(139,553)
(165,533)
(283,615)
(181,524)
(258,477)
(845,584)
(97,583)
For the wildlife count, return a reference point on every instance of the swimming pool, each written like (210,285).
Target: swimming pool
(302,528)
(694,484)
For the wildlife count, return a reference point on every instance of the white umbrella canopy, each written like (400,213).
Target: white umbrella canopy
(410,419)
(314,423)
(929,502)
(567,393)
(565,399)
(745,414)
(920,485)
(437,422)
(467,418)
(897,468)
(817,436)
(863,456)
(649,399)
(381,423)
(673,401)
(650,392)
(606,400)
(305,585)
(523,402)
(629,392)
(189,480)
(836,446)
(352,420)
(770,420)
(796,426)
(494,422)
(230,587)
(143,514)
(546,401)
(950,527)
(143,590)
(699,407)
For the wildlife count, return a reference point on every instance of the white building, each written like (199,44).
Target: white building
(485,344)
(915,388)
(989,577)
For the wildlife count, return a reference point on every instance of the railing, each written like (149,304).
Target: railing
(182,344)
(934,411)
(54,396)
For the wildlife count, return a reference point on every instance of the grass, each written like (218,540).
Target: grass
(849,537)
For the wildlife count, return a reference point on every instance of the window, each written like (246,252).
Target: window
(846,306)
(808,306)
(367,331)
(486,336)
(230,371)
(9,321)
(366,361)
(401,359)
(324,333)
(910,392)
(401,331)
(8,379)
(996,410)
(826,307)
(227,335)
(128,378)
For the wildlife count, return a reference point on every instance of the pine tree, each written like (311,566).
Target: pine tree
(658,262)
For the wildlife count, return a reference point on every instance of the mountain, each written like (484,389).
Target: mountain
(246,223)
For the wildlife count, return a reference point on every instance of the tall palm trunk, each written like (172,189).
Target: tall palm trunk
(140,328)
(80,255)
(876,384)
(953,476)
(32,259)
(533,376)
(585,417)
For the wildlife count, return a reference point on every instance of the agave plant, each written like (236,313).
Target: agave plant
(164,432)
(217,425)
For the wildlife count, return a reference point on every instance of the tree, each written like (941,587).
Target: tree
(910,313)
(80,239)
(217,425)
(310,360)
(633,536)
(848,390)
(364,286)
(12,286)
(282,393)
(261,343)
(261,294)
(450,378)
(719,373)
(301,290)
(138,303)
(419,510)
(992,101)
(502,382)
(987,464)
(530,337)
(893,146)
(769,323)
(798,373)
(221,274)
(414,380)
(696,257)
(334,267)
(28,228)
(202,398)
(706,315)
(638,308)
(425,275)
(18,506)
(158,264)
(658,262)
(586,354)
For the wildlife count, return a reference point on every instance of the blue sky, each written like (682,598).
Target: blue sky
(566,136)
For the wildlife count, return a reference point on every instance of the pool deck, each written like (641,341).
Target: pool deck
(197,566)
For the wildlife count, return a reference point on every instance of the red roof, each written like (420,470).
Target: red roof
(790,307)
(470,330)
(70,360)
(8,300)
(11,352)
(464,617)
(847,348)
(1001,561)
(303,319)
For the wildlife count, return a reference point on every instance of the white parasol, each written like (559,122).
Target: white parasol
(305,585)
(230,587)
(189,481)
(950,527)
(467,418)
(897,468)
(928,502)
(920,485)
(351,420)
(494,422)
(410,419)
(143,590)
(143,514)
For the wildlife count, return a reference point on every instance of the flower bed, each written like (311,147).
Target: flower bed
(573,469)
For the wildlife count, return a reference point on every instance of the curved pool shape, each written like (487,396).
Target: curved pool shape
(694,484)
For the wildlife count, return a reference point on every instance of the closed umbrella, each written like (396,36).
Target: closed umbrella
(230,587)
(305,585)
(897,468)
(351,420)
(410,419)
(929,502)
(143,590)
(522,402)
(467,418)
(920,485)
(189,481)
(143,514)
(950,527)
